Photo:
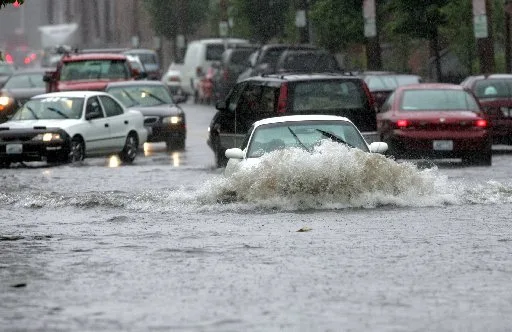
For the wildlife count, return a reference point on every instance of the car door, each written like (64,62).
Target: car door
(96,131)
(225,125)
(118,121)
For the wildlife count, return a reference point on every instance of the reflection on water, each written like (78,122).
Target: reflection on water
(114,161)
(175,158)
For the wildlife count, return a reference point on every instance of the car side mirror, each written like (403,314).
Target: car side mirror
(221,105)
(234,153)
(378,147)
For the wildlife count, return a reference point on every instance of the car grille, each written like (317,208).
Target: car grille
(150,120)
(16,137)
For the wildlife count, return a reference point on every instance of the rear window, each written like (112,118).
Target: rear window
(94,69)
(148,58)
(327,95)
(438,99)
(214,52)
(240,57)
(493,88)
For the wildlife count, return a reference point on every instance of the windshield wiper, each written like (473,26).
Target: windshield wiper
(59,112)
(155,97)
(32,111)
(134,101)
(298,140)
(334,137)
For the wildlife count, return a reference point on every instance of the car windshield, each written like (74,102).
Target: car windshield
(304,134)
(25,81)
(94,69)
(141,95)
(438,99)
(327,95)
(50,108)
(493,88)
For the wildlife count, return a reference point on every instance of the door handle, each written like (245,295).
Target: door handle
(106,125)
(125,121)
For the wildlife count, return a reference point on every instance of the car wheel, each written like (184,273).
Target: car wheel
(76,151)
(5,164)
(130,149)
(482,159)
(174,145)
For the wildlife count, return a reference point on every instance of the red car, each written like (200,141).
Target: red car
(494,92)
(435,120)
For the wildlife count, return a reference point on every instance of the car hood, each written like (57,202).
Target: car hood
(24,93)
(29,124)
(95,85)
(160,110)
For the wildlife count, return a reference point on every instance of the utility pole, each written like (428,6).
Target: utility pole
(373,54)
(482,18)
(301,21)
(508,51)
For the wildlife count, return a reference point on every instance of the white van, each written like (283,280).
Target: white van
(199,57)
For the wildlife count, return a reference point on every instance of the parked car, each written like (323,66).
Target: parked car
(434,120)
(264,60)
(267,96)
(307,61)
(89,71)
(163,118)
(234,61)
(66,127)
(6,70)
(494,92)
(382,84)
(150,62)
(297,131)
(20,87)
(199,57)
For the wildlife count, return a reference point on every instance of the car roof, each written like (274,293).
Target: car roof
(72,94)
(302,77)
(219,40)
(430,86)
(139,51)
(135,83)
(297,118)
(93,56)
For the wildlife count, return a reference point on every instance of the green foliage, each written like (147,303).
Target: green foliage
(337,23)
(7,2)
(173,17)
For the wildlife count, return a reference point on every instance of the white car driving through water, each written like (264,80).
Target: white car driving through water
(297,131)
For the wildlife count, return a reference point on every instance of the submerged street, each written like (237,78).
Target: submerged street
(158,246)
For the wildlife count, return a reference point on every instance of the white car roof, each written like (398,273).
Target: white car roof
(71,94)
(293,118)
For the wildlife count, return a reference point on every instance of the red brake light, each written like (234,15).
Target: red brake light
(481,123)
(27,60)
(8,58)
(402,123)
(283,98)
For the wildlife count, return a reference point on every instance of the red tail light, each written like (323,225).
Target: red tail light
(402,123)
(27,60)
(8,58)
(481,123)
(283,98)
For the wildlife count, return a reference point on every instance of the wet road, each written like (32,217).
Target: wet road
(162,246)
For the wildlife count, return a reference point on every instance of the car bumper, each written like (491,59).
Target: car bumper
(440,144)
(164,133)
(18,151)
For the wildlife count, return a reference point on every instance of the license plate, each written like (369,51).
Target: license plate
(444,145)
(14,148)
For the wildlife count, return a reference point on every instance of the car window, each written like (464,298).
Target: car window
(112,108)
(327,95)
(27,81)
(234,96)
(493,88)
(388,103)
(258,99)
(93,104)
(50,108)
(437,99)
(214,52)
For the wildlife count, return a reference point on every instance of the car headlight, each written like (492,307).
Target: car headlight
(4,101)
(47,137)
(172,119)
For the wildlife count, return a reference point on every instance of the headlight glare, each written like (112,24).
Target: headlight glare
(4,100)
(172,119)
(47,137)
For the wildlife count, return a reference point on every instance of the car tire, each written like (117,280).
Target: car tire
(76,151)
(483,159)
(130,149)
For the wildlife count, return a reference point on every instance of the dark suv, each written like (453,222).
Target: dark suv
(274,95)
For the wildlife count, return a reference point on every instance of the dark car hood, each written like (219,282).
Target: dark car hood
(23,93)
(3,79)
(160,110)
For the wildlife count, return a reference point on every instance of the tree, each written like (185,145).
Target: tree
(419,19)
(6,2)
(171,18)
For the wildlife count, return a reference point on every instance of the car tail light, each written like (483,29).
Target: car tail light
(26,60)
(283,98)
(8,58)
(402,123)
(481,123)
